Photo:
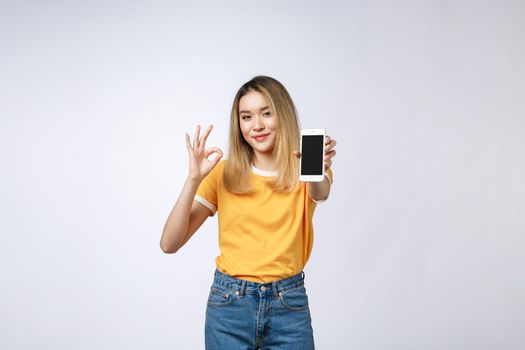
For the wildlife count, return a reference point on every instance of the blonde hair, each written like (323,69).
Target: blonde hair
(238,166)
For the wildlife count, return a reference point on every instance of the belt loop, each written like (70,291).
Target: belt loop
(243,287)
(274,287)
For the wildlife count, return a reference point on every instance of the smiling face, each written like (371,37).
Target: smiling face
(258,123)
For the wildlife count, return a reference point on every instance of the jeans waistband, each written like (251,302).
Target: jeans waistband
(244,286)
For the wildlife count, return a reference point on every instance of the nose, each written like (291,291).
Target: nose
(258,125)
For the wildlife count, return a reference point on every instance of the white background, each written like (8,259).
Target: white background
(420,245)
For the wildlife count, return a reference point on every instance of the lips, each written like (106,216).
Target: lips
(260,138)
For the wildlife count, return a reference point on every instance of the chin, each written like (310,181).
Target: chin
(263,148)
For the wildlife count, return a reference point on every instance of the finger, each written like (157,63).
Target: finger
(327,140)
(216,160)
(208,152)
(202,141)
(196,138)
(329,146)
(297,154)
(327,164)
(188,144)
(330,154)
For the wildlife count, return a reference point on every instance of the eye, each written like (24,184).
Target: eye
(246,117)
(267,114)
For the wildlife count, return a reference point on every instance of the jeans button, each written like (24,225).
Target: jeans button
(263,288)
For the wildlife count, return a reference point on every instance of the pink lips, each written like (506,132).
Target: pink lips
(260,138)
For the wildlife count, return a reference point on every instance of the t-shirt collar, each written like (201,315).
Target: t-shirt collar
(264,172)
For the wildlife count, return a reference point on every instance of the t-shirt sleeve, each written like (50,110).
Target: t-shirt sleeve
(207,191)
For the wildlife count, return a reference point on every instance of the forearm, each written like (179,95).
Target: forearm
(176,227)
(319,191)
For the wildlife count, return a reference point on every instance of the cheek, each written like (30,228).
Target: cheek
(272,123)
(275,138)
(244,131)
(242,127)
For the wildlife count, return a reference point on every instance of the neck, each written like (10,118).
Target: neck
(264,161)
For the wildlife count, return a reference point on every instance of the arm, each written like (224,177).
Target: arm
(319,191)
(184,220)
(187,215)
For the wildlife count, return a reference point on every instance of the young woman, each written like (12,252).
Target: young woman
(257,299)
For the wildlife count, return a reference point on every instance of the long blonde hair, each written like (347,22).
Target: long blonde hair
(238,166)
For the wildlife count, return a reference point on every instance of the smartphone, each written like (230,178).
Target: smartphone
(311,163)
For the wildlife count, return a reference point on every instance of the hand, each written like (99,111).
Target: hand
(200,165)
(329,152)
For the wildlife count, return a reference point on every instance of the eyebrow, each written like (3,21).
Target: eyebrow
(260,110)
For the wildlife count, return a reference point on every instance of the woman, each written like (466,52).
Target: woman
(257,299)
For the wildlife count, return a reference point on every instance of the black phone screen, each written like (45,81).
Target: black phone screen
(312,155)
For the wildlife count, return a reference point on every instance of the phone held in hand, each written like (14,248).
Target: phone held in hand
(311,163)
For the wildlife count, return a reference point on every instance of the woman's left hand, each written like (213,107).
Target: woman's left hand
(329,152)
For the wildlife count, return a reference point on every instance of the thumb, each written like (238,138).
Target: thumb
(216,160)
(209,151)
(297,154)
(212,150)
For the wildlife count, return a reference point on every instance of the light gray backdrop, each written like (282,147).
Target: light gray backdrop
(420,245)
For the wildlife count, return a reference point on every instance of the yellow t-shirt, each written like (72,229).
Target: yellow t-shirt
(263,236)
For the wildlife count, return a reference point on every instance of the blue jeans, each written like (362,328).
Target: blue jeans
(244,315)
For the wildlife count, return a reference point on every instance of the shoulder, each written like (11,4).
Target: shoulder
(221,165)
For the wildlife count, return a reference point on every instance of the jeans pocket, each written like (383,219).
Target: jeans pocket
(295,300)
(221,297)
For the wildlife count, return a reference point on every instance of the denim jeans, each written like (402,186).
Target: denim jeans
(244,315)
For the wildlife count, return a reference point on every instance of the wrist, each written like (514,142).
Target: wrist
(193,181)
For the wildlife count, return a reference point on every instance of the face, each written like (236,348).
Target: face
(258,122)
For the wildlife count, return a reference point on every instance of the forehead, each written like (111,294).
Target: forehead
(252,101)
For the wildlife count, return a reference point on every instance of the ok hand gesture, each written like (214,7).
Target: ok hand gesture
(200,165)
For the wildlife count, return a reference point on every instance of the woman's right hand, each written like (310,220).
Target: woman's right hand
(200,165)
